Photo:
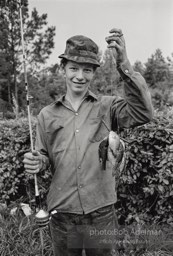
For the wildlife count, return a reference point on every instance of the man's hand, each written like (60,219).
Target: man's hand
(32,162)
(116,43)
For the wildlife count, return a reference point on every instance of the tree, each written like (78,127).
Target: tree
(5,64)
(170,65)
(107,78)
(39,42)
(156,69)
(157,75)
(139,67)
(45,87)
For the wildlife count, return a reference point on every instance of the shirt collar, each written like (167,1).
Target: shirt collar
(92,95)
(88,95)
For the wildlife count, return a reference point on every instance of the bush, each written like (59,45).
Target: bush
(14,182)
(14,142)
(9,115)
(146,187)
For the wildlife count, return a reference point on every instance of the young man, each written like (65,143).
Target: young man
(82,195)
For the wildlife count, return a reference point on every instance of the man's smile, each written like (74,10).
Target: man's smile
(78,83)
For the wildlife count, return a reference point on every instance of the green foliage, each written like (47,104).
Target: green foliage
(158,74)
(156,69)
(139,67)
(14,182)
(39,42)
(44,88)
(14,142)
(39,39)
(20,235)
(145,191)
(107,79)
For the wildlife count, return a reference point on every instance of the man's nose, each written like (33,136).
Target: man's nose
(79,75)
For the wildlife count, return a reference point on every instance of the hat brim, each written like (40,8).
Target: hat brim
(80,59)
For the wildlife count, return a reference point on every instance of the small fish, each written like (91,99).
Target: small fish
(112,149)
(116,152)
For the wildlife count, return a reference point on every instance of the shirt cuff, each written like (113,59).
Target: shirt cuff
(45,162)
(125,69)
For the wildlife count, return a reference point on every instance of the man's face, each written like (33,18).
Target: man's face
(78,77)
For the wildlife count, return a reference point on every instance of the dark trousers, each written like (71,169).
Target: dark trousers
(95,232)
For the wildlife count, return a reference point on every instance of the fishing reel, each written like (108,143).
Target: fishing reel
(42,218)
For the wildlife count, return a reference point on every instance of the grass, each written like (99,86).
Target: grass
(147,240)
(20,236)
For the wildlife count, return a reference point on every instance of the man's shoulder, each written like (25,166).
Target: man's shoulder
(47,109)
(106,99)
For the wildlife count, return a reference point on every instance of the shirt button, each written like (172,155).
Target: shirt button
(77,130)
(126,71)
(80,186)
(76,114)
(79,167)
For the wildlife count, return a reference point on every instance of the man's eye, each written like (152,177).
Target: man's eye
(73,68)
(87,70)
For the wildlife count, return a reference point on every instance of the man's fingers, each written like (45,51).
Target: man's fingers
(32,156)
(31,161)
(31,167)
(116,35)
(114,41)
(113,37)
(30,171)
(115,30)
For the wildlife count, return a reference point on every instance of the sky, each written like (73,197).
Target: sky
(146,24)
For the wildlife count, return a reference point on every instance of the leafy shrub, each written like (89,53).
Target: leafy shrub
(14,182)
(161,95)
(146,187)
(14,142)
(9,115)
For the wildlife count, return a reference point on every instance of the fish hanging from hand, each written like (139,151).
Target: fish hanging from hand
(112,149)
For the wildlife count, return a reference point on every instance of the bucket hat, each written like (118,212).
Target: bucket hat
(81,49)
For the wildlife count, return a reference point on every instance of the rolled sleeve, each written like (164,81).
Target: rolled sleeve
(125,69)
(136,107)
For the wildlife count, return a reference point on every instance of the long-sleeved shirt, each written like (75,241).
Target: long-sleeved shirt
(69,141)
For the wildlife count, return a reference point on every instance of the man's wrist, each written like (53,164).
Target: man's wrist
(43,162)
(125,69)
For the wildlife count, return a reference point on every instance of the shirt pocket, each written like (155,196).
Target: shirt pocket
(99,130)
(55,132)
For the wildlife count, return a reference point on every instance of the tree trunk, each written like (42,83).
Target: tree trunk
(9,91)
(16,103)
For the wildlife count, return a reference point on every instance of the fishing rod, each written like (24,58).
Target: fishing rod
(42,217)
(37,199)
